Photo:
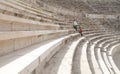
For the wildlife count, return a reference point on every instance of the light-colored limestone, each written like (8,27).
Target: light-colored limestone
(117,71)
(101,62)
(16,23)
(22,42)
(5,26)
(94,61)
(31,59)
(104,53)
(12,41)
(101,16)
(6,46)
(85,69)
(20,34)
(66,63)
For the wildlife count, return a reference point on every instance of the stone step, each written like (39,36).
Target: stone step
(105,68)
(94,64)
(112,61)
(12,23)
(92,31)
(32,59)
(8,10)
(90,55)
(101,61)
(61,63)
(19,34)
(76,59)
(42,10)
(93,46)
(52,70)
(13,41)
(106,59)
(19,50)
(21,11)
(105,54)
(24,4)
(92,43)
(84,62)
(85,69)
(44,16)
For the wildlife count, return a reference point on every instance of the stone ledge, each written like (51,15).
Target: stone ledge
(19,23)
(27,63)
(19,34)
(13,41)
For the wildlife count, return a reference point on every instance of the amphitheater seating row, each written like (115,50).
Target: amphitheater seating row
(25,50)
(11,23)
(95,56)
(104,65)
(95,52)
(33,58)
(18,11)
(21,33)
(43,13)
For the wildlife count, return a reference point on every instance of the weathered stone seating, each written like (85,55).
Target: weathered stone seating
(20,39)
(111,55)
(45,16)
(11,23)
(29,14)
(42,41)
(33,59)
(101,54)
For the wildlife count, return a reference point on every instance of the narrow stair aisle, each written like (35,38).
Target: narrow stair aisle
(61,62)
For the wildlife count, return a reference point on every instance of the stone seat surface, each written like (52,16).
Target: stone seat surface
(16,12)
(33,41)
(44,18)
(41,10)
(102,61)
(15,18)
(105,55)
(114,60)
(86,56)
(63,59)
(22,3)
(108,56)
(16,40)
(23,7)
(28,31)
(32,59)
(19,34)
(84,65)
(93,50)
(97,39)
(7,3)
(29,9)
(27,24)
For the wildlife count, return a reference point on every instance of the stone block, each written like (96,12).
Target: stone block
(22,42)
(20,26)
(6,46)
(5,26)
(30,68)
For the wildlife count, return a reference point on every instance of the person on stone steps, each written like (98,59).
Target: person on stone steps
(80,31)
(75,24)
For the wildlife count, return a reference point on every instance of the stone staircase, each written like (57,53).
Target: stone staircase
(32,43)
